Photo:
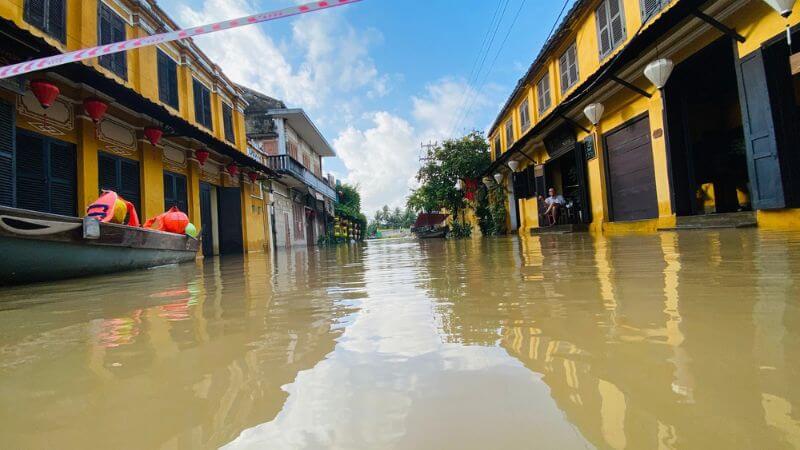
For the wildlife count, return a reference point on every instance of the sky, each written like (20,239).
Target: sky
(380,77)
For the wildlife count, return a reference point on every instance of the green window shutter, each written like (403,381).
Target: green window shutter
(56,19)
(31,179)
(7,138)
(63,179)
(35,13)
(129,181)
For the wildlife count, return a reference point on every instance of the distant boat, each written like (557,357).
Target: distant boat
(430,225)
(42,247)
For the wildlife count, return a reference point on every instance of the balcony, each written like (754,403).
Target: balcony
(286,165)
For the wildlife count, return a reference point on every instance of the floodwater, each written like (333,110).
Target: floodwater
(674,340)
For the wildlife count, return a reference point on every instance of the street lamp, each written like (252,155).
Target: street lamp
(594,112)
(658,72)
(513,165)
(783,7)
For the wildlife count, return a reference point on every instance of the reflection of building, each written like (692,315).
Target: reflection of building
(710,142)
(302,198)
(57,160)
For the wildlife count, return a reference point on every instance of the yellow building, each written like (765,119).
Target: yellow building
(715,146)
(58,159)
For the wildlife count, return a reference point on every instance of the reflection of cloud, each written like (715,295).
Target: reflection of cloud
(391,382)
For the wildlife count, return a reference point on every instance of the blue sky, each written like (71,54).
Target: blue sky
(380,76)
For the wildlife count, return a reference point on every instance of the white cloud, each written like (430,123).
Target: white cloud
(325,57)
(383,158)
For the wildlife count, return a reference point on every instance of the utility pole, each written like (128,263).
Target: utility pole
(428,148)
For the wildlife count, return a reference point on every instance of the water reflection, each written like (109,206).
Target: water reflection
(673,340)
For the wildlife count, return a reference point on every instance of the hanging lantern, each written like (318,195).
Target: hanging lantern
(498,177)
(459,184)
(594,112)
(658,72)
(46,93)
(513,165)
(95,109)
(232,169)
(202,156)
(153,135)
(253,176)
(783,7)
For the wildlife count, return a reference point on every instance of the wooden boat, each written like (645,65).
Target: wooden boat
(430,225)
(41,247)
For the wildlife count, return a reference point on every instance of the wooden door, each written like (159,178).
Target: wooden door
(206,221)
(230,221)
(631,177)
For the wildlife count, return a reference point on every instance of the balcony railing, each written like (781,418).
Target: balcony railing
(285,164)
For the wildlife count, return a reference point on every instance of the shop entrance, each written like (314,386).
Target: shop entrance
(706,138)
(230,221)
(566,173)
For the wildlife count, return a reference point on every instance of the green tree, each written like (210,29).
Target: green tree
(465,158)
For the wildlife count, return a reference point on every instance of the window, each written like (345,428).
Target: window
(202,105)
(120,175)
(49,16)
(651,7)
(307,162)
(167,80)
(175,192)
(610,26)
(509,133)
(45,175)
(227,122)
(111,30)
(543,93)
(497,147)
(568,66)
(524,116)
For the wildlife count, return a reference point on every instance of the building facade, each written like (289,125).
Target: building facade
(58,159)
(302,199)
(710,132)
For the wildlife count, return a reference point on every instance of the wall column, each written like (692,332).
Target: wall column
(152,176)
(660,159)
(596,177)
(88,182)
(193,191)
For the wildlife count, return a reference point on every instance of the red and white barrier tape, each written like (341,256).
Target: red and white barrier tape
(88,53)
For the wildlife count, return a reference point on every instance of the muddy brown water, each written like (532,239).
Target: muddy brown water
(673,340)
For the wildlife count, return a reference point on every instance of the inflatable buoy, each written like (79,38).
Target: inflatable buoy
(172,221)
(111,208)
(191,230)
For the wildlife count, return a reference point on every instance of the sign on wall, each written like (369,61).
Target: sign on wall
(588,147)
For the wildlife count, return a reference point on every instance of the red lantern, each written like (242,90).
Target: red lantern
(253,176)
(233,170)
(95,108)
(153,134)
(202,156)
(45,91)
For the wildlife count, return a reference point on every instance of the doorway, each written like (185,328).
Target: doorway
(230,221)
(566,173)
(207,210)
(706,137)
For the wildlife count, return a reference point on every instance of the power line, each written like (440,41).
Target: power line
(480,60)
(491,66)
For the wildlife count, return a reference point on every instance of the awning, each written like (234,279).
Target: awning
(429,219)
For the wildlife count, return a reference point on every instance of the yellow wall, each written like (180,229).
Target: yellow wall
(141,63)
(756,21)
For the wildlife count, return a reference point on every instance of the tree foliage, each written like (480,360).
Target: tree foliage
(397,218)
(349,204)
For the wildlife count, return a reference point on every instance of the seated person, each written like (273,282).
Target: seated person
(554,204)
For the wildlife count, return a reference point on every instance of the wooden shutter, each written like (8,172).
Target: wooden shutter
(108,177)
(198,102)
(603,32)
(30,173)
(35,12)
(227,118)
(7,138)
(181,196)
(63,179)
(56,18)
(766,183)
(129,184)
(163,78)
(616,20)
(118,35)
(583,182)
(520,184)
